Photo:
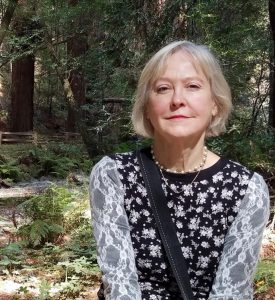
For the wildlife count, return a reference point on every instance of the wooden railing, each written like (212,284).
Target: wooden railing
(35,138)
(16,137)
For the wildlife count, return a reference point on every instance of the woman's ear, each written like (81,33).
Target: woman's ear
(214,110)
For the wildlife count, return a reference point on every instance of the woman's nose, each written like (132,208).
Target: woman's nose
(178,98)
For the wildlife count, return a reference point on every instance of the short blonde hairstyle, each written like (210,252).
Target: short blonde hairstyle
(155,67)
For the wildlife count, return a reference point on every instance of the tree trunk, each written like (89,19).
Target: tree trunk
(22,73)
(76,46)
(77,83)
(22,94)
(7,19)
(272,68)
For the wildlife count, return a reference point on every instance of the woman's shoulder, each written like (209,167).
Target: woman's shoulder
(123,156)
(238,170)
(246,171)
(257,189)
(113,162)
(241,174)
(104,164)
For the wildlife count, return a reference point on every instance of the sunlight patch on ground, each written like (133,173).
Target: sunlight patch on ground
(9,286)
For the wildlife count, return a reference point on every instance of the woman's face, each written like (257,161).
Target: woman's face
(180,103)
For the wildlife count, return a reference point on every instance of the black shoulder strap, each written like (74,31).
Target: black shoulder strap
(166,228)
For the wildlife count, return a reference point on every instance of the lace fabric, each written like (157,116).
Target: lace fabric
(118,258)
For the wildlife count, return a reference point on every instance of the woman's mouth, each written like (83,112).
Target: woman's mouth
(178,117)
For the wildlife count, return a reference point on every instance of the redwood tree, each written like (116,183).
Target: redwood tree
(22,94)
(5,22)
(76,46)
(22,84)
(272,75)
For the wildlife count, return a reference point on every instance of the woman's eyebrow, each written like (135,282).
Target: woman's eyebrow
(198,78)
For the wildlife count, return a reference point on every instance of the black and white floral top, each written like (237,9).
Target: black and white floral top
(219,220)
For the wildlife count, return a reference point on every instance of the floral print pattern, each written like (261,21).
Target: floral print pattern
(204,214)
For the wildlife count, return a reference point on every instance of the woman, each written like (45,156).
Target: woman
(219,208)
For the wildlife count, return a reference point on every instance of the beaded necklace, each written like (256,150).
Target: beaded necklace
(196,169)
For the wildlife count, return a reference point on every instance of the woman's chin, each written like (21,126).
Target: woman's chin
(179,135)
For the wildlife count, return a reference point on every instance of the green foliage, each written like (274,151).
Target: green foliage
(122,35)
(77,222)
(19,162)
(57,239)
(82,243)
(78,273)
(76,214)
(105,125)
(44,290)
(222,25)
(54,213)
(45,213)
(52,161)
(253,151)
(77,266)
(11,171)
(132,145)
(49,205)
(39,231)
(265,276)
(11,256)
(72,157)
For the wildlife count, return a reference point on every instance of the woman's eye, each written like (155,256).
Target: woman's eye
(162,89)
(193,86)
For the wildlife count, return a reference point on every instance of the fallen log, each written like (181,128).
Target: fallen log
(37,187)
(25,191)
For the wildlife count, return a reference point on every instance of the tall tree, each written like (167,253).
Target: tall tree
(5,22)
(77,46)
(22,94)
(22,85)
(272,71)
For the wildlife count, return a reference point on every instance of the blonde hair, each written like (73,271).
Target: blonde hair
(203,59)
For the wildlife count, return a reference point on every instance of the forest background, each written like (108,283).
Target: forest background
(73,66)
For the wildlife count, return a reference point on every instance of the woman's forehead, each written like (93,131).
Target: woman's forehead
(163,65)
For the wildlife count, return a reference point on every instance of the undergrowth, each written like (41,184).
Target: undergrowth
(265,276)
(62,260)
(19,163)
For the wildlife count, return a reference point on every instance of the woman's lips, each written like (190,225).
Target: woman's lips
(178,117)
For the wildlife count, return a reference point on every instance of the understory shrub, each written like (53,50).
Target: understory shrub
(45,215)
(11,256)
(255,151)
(265,276)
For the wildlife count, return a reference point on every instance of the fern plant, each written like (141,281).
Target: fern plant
(9,170)
(39,232)
(11,256)
(46,216)
(51,161)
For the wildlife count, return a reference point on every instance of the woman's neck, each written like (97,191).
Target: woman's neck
(179,156)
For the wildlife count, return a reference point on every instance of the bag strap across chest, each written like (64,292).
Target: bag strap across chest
(165,225)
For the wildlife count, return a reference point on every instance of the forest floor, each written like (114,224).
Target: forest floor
(266,283)
(33,277)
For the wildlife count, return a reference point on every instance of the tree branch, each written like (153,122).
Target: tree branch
(7,19)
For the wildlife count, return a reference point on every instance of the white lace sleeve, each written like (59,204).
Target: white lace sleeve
(242,245)
(112,234)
